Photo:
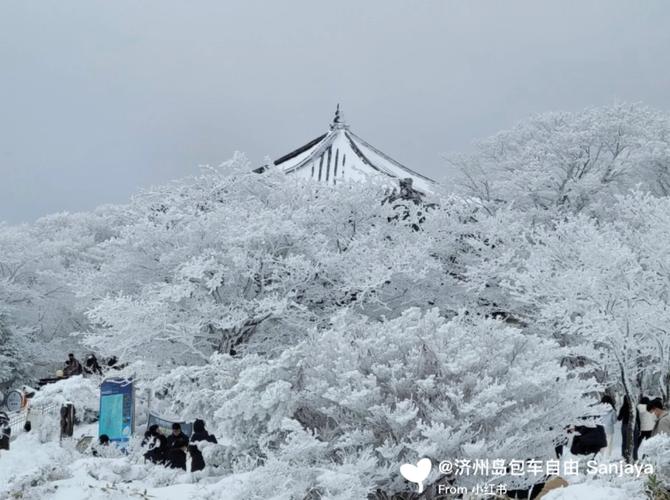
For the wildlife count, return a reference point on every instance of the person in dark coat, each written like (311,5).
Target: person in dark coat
(148,435)
(111,362)
(177,443)
(199,434)
(91,365)
(5,431)
(157,443)
(72,366)
(103,440)
(588,440)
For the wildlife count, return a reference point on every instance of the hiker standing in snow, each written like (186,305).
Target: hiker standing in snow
(177,442)
(199,434)
(5,431)
(663,422)
(645,422)
(608,419)
(647,419)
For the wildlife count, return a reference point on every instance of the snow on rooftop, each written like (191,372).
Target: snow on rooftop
(342,155)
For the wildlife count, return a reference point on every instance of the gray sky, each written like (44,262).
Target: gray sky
(101,98)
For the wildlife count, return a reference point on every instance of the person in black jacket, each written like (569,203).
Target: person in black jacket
(177,443)
(72,366)
(157,443)
(91,365)
(588,440)
(199,434)
(103,441)
(5,431)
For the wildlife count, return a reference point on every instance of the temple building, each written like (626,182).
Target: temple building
(339,154)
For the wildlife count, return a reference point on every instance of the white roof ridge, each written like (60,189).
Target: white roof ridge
(317,150)
(387,157)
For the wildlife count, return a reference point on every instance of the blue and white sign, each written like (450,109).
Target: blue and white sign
(117,409)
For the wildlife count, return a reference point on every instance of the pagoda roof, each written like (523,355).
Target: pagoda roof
(340,154)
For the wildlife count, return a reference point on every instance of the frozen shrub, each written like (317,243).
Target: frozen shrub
(347,406)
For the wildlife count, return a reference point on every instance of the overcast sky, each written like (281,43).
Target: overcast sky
(101,98)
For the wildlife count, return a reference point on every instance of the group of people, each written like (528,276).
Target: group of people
(652,419)
(171,450)
(597,436)
(74,367)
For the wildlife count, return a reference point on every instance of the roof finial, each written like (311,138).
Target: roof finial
(338,120)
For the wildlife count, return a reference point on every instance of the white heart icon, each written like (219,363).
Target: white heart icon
(417,473)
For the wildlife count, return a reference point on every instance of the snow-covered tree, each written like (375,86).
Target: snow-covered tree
(570,161)
(601,289)
(233,260)
(40,266)
(546,276)
(379,394)
(14,364)
(643,222)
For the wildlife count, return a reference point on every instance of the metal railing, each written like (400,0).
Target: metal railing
(17,420)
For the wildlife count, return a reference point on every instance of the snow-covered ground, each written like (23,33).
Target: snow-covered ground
(57,471)
(38,466)
(598,489)
(53,470)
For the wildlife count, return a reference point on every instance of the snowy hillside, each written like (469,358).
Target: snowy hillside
(327,335)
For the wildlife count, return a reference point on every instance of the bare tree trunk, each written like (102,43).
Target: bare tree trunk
(629,445)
